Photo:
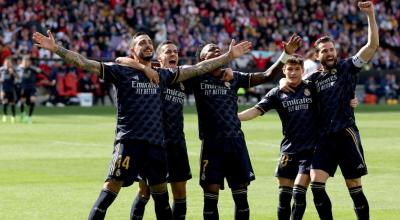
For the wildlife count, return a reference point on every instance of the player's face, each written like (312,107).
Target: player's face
(168,56)
(210,51)
(327,55)
(293,73)
(143,47)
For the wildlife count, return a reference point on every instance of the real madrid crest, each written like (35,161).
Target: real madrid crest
(307,92)
(333,71)
(228,84)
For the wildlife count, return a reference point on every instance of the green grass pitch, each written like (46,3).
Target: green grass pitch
(55,168)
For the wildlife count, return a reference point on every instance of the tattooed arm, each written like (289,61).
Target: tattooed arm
(70,57)
(206,66)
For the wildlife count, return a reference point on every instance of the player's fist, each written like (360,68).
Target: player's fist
(367,7)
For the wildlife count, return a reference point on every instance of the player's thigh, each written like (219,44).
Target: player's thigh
(287,167)
(302,180)
(352,163)
(155,167)
(237,163)
(178,162)
(211,162)
(285,181)
(126,161)
(326,155)
(178,189)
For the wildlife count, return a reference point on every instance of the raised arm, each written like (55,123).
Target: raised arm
(206,66)
(276,68)
(70,57)
(367,52)
(249,114)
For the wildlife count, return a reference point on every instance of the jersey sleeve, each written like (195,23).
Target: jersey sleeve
(352,65)
(110,73)
(268,102)
(168,76)
(243,79)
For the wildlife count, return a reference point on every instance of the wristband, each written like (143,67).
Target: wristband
(284,57)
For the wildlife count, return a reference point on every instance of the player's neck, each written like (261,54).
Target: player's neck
(145,62)
(142,61)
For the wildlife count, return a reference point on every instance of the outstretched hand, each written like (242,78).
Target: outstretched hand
(294,43)
(44,42)
(366,7)
(239,49)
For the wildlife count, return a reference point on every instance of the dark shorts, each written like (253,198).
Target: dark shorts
(289,165)
(28,92)
(178,162)
(341,148)
(134,158)
(10,96)
(225,158)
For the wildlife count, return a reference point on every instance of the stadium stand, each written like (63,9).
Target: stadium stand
(102,29)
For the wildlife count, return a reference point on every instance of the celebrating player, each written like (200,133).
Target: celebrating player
(224,152)
(340,140)
(297,112)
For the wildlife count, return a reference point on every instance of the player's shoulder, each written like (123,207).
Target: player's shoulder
(275,91)
(118,68)
(166,70)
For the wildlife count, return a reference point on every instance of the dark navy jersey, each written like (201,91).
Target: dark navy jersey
(216,103)
(173,99)
(297,112)
(139,103)
(335,89)
(7,80)
(28,77)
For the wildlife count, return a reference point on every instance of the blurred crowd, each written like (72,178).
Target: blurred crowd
(103,29)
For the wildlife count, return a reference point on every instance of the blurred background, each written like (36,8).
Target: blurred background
(102,30)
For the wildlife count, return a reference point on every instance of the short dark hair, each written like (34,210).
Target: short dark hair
(166,42)
(320,40)
(198,51)
(296,59)
(136,35)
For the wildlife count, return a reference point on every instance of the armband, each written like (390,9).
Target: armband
(358,62)
(284,57)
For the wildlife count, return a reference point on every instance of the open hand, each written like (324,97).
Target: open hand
(294,43)
(44,42)
(239,49)
(284,86)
